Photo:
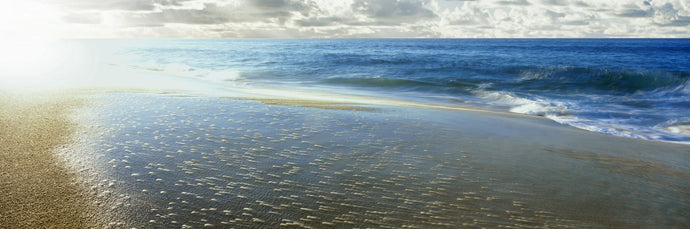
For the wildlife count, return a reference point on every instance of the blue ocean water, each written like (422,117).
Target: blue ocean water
(637,88)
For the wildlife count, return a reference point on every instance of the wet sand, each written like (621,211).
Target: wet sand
(186,161)
(323,104)
(37,190)
(181,160)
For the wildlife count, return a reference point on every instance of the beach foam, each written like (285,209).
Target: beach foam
(201,161)
(38,190)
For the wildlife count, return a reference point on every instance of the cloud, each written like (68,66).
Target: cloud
(634,13)
(128,5)
(556,2)
(514,2)
(322,21)
(663,15)
(393,11)
(668,15)
(580,4)
(576,22)
(553,15)
(278,11)
(171,2)
(379,18)
(279,8)
(209,14)
(289,5)
(83,18)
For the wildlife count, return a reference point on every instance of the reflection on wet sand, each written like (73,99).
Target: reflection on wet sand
(36,190)
(311,103)
(212,162)
(649,170)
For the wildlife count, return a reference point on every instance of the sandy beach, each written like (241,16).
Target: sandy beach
(38,190)
(181,160)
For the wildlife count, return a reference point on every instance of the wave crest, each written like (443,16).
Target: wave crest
(377,82)
(523,105)
(178,69)
(600,79)
(676,126)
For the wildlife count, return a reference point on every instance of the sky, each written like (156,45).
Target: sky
(344,18)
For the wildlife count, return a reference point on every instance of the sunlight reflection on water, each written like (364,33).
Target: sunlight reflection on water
(187,161)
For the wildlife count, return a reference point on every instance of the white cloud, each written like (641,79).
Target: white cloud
(391,12)
(562,18)
(375,18)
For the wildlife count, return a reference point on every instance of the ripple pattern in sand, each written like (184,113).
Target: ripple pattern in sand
(214,162)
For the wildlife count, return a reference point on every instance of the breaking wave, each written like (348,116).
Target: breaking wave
(632,88)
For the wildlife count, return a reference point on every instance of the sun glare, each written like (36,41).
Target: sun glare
(27,62)
(27,42)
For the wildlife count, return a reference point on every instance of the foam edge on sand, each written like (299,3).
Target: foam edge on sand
(38,189)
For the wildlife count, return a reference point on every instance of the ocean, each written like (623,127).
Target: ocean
(638,88)
(172,160)
(363,133)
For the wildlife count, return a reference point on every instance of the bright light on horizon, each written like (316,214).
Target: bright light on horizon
(28,41)
(27,62)
(29,20)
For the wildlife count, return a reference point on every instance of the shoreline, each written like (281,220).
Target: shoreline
(249,163)
(38,189)
(149,135)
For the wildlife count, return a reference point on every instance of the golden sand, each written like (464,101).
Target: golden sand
(36,188)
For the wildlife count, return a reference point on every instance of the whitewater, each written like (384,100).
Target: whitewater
(636,88)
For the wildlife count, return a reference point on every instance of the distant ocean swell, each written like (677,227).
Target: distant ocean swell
(631,88)
(569,95)
(608,80)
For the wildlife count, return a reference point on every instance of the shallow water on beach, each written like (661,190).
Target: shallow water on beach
(637,88)
(176,161)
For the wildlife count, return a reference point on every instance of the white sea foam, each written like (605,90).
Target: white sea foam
(602,127)
(676,126)
(521,105)
(673,131)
